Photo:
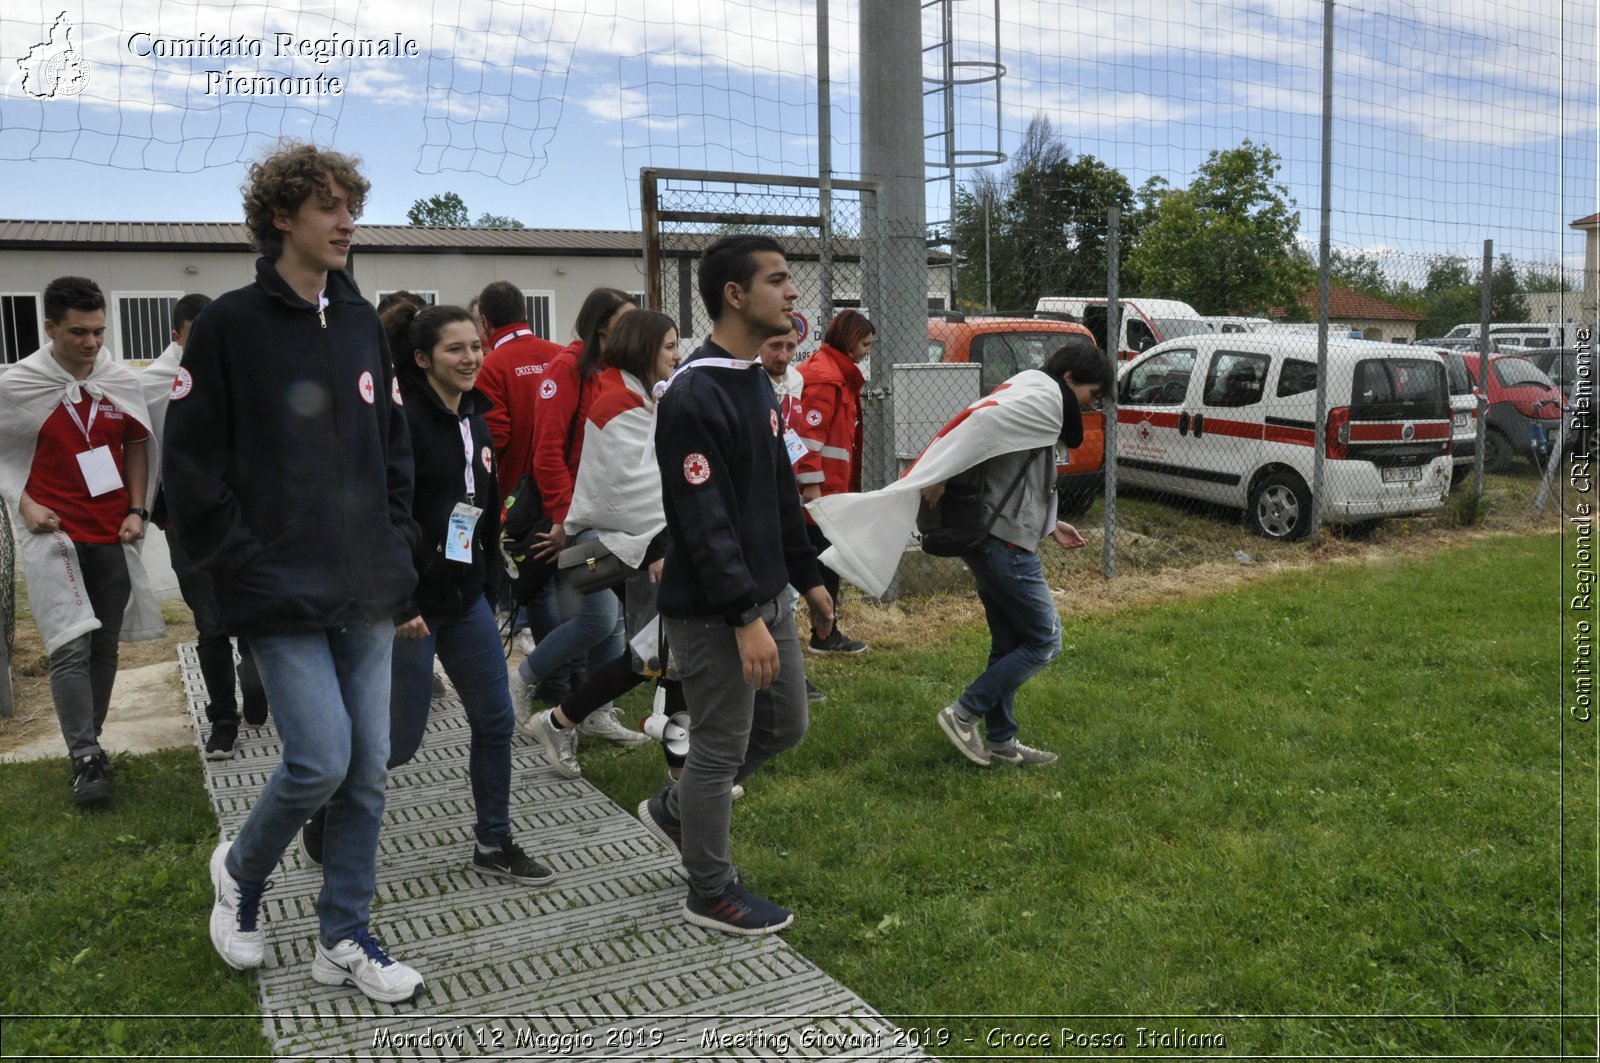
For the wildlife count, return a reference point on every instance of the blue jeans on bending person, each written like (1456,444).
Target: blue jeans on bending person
(329,697)
(468,645)
(1024,633)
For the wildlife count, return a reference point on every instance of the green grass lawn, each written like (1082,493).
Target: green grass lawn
(1334,793)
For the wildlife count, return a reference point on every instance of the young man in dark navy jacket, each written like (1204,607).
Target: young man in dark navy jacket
(735,539)
(288,476)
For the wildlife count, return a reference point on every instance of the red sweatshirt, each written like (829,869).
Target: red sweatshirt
(512,369)
(563,403)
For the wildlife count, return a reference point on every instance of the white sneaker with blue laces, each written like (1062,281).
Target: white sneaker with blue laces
(360,961)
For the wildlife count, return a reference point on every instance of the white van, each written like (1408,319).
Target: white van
(1508,334)
(1231,420)
(1145,322)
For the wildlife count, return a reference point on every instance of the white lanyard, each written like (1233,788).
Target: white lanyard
(72,412)
(466,445)
(508,337)
(661,389)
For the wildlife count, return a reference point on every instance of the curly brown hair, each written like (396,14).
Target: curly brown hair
(292,174)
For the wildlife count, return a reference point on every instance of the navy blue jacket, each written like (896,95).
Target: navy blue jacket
(445,588)
(287,461)
(736,534)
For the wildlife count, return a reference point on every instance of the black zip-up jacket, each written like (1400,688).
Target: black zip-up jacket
(735,531)
(287,462)
(445,588)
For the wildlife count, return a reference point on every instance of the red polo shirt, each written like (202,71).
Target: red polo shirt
(56,479)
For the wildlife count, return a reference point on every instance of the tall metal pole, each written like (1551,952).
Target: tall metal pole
(950,134)
(1325,255)
(1483,364)
(1108,548)
(892,158)
(824,166)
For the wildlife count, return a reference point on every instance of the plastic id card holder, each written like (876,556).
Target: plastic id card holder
(100,474)
(458,537)
(796,446)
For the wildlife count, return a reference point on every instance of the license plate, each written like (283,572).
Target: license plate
(1402,474)
(1459,420)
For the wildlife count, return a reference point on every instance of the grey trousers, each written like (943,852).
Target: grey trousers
(83,671)
(733,730)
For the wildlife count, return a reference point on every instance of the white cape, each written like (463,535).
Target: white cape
(870,530)
(615,494)
(29,393)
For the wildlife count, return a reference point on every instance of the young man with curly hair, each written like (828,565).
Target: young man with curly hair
(289,477)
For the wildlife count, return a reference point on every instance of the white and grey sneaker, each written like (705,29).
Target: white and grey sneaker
(560,743)
(603,723)
(360,961)
(524,642)
(521,700)
(1015,752)
(235,915)
(964,736)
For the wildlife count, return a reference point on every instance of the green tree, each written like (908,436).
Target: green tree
(445,209)
(1039,228)
(1226,244)
(497,221)
(1452,295)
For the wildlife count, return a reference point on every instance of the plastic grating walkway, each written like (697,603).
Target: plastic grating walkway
(599,964)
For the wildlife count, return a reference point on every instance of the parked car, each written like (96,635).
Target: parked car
(1466,406)
(1457,343)
(1524,412)
(1520,333)
(1145,322)
(1231,420)
(1005,346)
(1562,366)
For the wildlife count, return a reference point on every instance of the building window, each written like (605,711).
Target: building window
(541,311)
(431,298)
(20,332)
(143,323)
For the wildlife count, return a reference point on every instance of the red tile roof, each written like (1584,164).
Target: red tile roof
(1591,222)
(1347,305)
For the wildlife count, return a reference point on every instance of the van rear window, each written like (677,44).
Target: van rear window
(1391,388)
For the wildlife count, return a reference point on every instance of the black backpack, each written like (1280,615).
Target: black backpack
(956,525)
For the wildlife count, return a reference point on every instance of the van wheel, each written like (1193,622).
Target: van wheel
(1496,451)
(1280,507)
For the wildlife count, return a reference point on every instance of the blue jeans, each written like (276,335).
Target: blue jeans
(468,644)
(1024,633)
(591,624)
(329,697)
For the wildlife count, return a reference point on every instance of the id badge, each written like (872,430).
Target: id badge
(796,445)
(458,539)
(99,471)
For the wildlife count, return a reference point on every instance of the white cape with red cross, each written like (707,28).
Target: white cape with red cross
(870,530)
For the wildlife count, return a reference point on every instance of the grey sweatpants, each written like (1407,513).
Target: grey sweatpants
(733,730)
(83,671)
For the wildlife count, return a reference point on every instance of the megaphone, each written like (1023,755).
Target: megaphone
(671,731)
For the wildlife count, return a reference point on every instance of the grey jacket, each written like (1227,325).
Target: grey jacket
(1022,522)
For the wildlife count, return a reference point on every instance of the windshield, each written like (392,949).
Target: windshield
(1515,372)
(1456,370)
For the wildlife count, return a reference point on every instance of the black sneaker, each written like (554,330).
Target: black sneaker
(736,911)
(836,642)
(813,695)
(224,734)
(311,836)
(653,814)
(509,861)
(91,785)
(254,707)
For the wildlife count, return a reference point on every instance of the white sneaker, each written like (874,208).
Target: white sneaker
(524,642)
(560,743)
(964,736)
(235,915)
(603,723)
(361,962)
(521,698)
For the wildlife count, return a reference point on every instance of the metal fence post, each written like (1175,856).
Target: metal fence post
(1319,442)
(1108,549)
(1483,367)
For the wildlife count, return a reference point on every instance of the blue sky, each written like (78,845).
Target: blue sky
(1456,121)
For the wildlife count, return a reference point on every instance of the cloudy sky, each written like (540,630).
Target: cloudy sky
(1455,120)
